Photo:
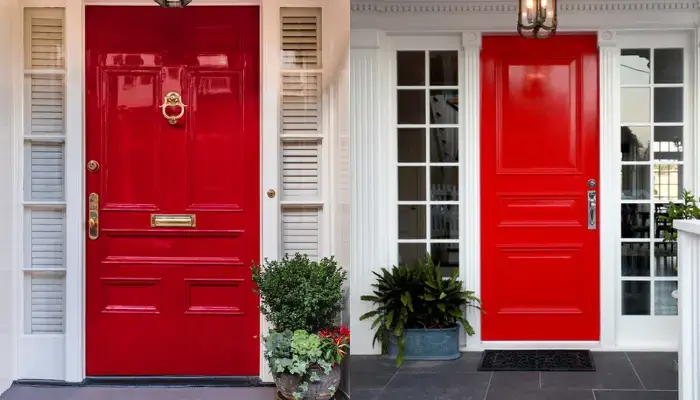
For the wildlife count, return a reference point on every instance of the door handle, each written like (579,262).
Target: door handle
(94,216)
(592,205)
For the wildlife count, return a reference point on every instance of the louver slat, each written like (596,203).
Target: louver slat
(301,104)
(46,172)
(46,98)
(44,38)
(300,232)
(301,38)
(300,170)
(47,302)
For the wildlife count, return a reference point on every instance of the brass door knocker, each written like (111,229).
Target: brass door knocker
(173,99)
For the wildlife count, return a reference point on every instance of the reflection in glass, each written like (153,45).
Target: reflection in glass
(444,221)
(634,66)
(410,253)
(668,143)
(411,183)
(444,68)
(636,259)
(410,106)
(636,182)
(412,222)
(635,105)
(444,183)
(668,66)
(636,298)
(447,254)
(411,145)
(635,221)
(668,104)
(635,143)
(444,107)
(444,145)
(660,220)
(666,259)
(668,182)
(410,68)
(664,303)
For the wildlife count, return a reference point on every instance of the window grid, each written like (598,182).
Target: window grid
(661,190)
(431,198)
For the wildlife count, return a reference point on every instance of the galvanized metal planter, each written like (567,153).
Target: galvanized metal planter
(427,344)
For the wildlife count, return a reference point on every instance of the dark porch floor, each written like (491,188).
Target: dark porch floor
(618,376)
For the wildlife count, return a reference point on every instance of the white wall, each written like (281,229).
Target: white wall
(7,278)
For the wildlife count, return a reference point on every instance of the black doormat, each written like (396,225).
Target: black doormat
(536,360)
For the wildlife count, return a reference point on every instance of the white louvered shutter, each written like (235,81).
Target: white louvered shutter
(301,132)
(301,38)
(44,171)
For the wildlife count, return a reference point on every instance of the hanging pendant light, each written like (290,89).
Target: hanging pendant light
(537,19)
(173,3)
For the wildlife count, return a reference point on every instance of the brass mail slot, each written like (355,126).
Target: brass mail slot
(173,221)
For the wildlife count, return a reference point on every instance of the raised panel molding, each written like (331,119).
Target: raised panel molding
(508,7)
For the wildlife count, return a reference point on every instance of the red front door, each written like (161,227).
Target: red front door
(174,208)
(539,149)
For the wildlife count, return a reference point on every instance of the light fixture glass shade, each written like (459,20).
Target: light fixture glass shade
(537,19)
(173,3)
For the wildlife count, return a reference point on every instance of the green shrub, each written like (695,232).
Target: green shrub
(300,294)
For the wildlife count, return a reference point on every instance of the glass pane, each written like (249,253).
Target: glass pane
(664,303)
(668,104)
(411,143)
(634,66)
(447,254)
(410,106)
(661,224)
(635,105)
(411,183)
(636,259)
(635,143)
(668,143)
(444,183)
(444,145)
(666,259)
(635,221)
(410,68)
(635,182)
(410,253)
(444,68)
(668,182)
(444,221)
(412,222)
(668,66)
(636,298)
(444,107)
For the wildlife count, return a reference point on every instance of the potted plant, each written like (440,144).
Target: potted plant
(688,209)
(302,300)
(418,312)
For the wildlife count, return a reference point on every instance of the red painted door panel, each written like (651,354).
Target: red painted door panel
(539,148)
(173,300)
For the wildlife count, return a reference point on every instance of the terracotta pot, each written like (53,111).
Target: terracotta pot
(287,384)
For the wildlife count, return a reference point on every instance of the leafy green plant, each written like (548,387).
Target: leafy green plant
(688,209)
(300,294)
(415,297)
(299,353)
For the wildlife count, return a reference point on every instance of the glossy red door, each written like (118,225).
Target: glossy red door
(173,300)
(539,148)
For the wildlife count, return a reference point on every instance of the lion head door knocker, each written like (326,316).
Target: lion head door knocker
(173,99)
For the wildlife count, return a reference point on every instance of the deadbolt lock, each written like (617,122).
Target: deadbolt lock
(93,165)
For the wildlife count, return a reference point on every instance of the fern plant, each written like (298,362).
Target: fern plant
(416,297)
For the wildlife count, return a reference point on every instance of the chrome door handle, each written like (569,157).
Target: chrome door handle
(592,210)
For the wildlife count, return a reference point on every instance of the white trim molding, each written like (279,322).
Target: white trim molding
(609,182)
(509,7)
(470,181)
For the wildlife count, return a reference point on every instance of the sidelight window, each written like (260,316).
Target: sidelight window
(652,110)
(428,169)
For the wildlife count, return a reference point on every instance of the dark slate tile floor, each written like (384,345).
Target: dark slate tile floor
(618,376)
